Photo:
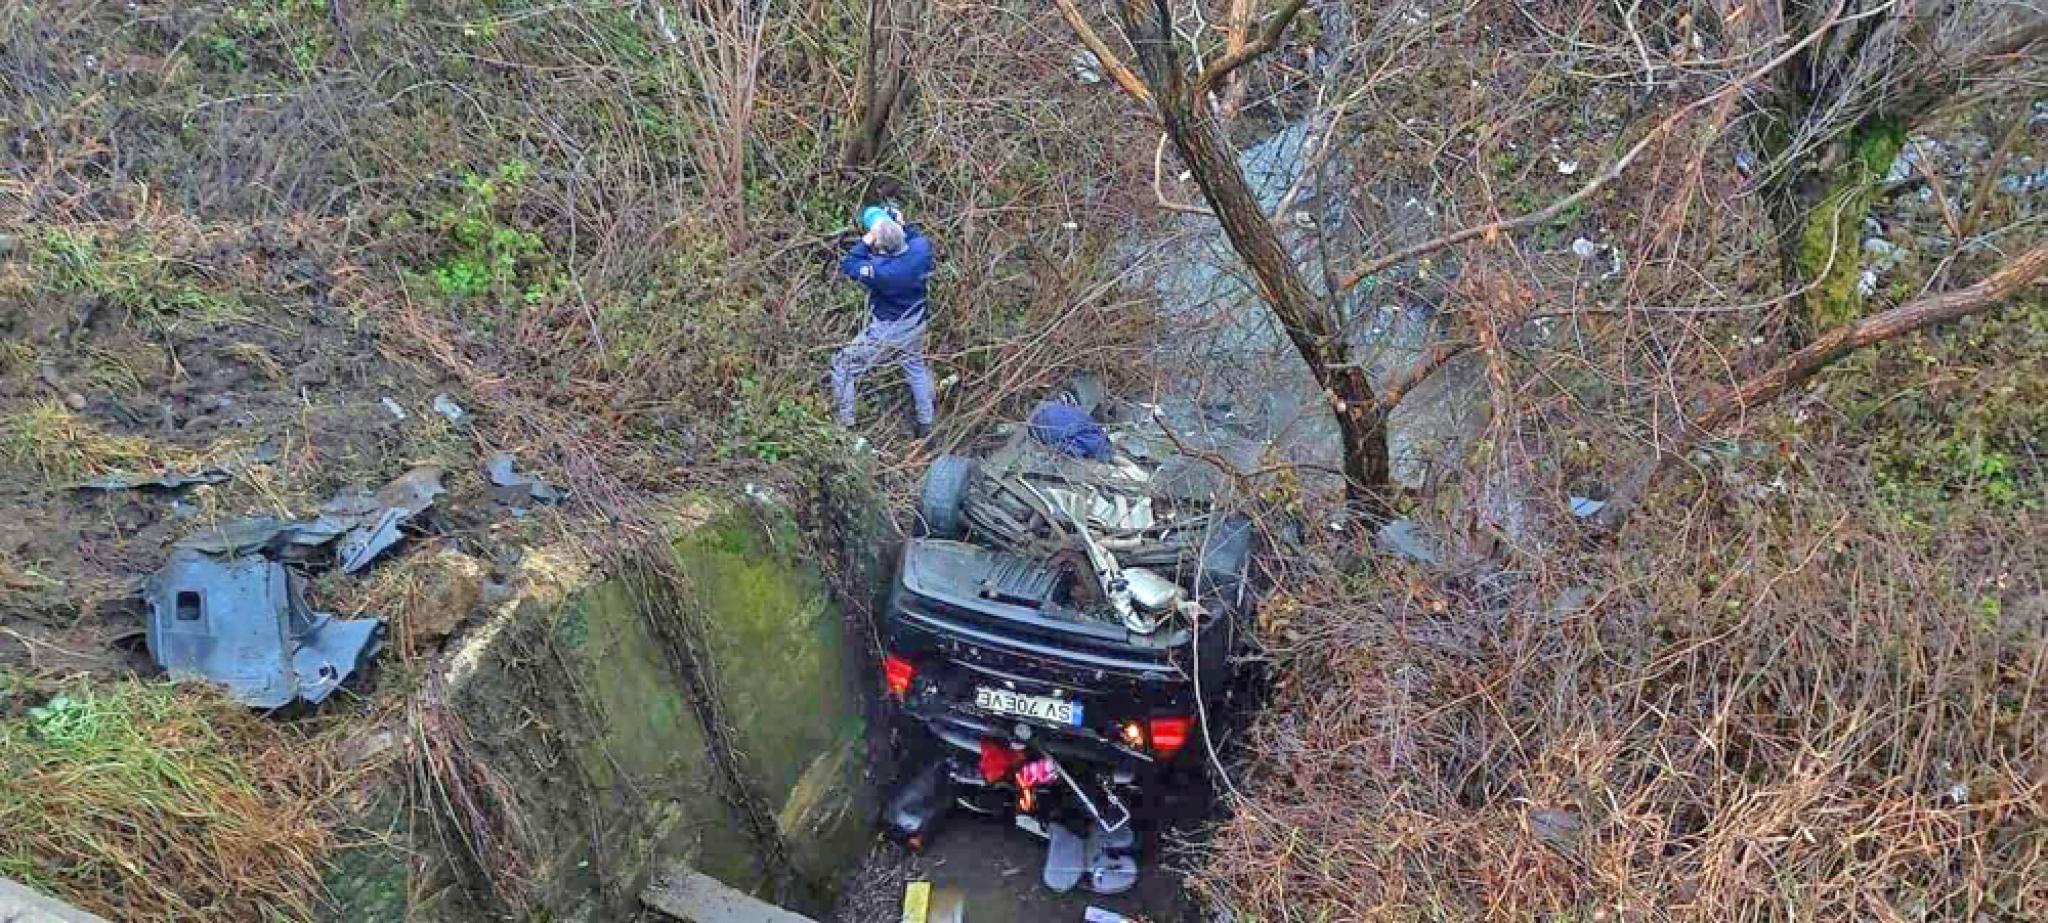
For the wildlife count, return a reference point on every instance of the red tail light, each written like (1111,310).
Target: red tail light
(897,674)
(1169,735)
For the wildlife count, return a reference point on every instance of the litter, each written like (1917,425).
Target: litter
(1069,429)
(510,487)
(446,407)
(243,623)
(175,480)
(396,411)
(1585,507)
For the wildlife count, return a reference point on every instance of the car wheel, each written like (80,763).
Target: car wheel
(941,508)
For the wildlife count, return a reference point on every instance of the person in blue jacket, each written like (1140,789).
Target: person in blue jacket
(893,260)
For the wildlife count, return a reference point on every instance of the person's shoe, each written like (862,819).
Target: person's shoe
(921,430)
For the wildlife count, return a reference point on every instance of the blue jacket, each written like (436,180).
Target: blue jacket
(895,281)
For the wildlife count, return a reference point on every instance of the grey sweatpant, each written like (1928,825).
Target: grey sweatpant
(901,341)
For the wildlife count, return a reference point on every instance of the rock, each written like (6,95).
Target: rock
(1403,537)
(447,407)
(8,244)
(361,747)
(74,400)
(453,584)
(1558,828)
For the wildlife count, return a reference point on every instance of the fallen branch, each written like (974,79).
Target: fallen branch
(1825,350)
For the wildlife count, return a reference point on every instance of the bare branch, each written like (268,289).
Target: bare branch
(1796,368)
(1438,356)
(1599,180)
(1111,64)
(1268,38)
(1159,190)
(1237,32)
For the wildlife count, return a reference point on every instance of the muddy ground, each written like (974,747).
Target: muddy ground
(238,359)
(997,867)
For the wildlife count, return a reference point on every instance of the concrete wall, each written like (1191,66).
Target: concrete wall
(700,707)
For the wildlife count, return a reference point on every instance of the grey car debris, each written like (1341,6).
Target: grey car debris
(225,607)
(243,623)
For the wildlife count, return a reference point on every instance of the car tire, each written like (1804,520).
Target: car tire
(1226,557)
(941,510)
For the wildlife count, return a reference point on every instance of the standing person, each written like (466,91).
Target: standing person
(893,260)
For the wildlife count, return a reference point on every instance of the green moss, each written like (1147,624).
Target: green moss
(784,673)
(1830,240)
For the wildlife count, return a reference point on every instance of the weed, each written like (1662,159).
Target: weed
(144,801)
(773,427)
(137,279)
(491,257)
(225,53)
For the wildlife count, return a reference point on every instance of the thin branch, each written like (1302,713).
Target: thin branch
(1268,38)
(1439,356)
(1159,191)
(1111,64)
(1613,170)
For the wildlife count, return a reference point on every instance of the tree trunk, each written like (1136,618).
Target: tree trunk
(1820,229)
(1207,152)
(884,73)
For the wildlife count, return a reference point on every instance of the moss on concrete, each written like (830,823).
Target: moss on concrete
(571,697)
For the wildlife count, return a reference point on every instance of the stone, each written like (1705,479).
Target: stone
(453,585)
(74,400)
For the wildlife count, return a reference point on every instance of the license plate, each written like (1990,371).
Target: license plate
(1036,707)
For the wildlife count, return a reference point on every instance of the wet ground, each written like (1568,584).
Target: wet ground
(997,867)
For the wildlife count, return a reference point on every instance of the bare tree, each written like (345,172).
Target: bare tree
(1181,99)
(884,78)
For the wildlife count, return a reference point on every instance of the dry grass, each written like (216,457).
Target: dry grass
(143,802)
(62,447)
(1779,709)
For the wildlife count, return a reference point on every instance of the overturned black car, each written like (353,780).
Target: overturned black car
(1063,628)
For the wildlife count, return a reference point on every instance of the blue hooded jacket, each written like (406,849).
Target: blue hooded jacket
(895,281)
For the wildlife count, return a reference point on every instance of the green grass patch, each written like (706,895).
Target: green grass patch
(159,291)
(141,801)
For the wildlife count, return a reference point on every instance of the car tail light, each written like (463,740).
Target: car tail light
(1169,734)
(897,674)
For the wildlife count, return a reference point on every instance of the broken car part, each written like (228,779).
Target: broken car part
(241,623)
(174,480)
(367,524)
(510,487)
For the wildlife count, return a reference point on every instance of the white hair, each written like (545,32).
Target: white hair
(888,236)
